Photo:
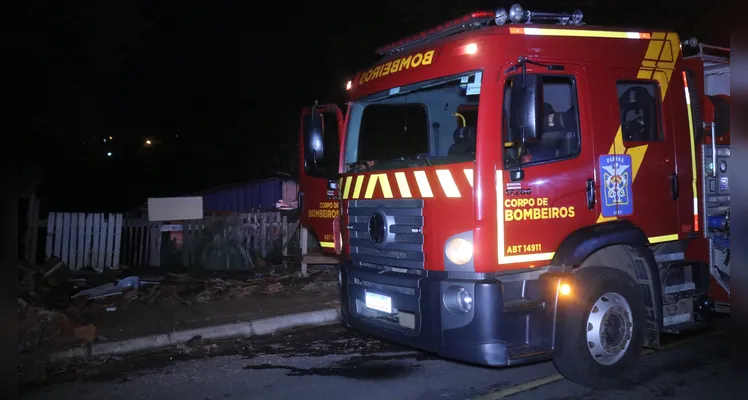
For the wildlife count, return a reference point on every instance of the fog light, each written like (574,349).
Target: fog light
(564,289)
(457,300)
(459,251)
(464,300)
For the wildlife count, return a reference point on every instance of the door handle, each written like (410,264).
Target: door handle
(590,193)
(674,187)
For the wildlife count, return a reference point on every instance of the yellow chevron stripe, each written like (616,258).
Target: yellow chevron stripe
(402,184)
(384,180)
(423,184)
(445,177)
(357,188)
(663,50)
(448,183)
(347,190)
(469,175)
(371,186)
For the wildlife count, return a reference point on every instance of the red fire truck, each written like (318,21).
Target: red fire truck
(509,191)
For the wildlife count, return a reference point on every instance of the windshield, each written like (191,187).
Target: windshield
(428,123)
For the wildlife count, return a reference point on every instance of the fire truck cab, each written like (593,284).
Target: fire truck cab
(510,192)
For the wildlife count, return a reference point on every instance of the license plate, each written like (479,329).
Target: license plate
(379,302)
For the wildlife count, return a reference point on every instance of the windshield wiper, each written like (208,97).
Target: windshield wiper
(422,156)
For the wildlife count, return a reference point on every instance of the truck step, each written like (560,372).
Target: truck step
(524,353)
(523,305)
(686,294)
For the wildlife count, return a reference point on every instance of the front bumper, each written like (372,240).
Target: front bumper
(511,321)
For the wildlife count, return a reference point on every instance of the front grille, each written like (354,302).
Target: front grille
(403,244)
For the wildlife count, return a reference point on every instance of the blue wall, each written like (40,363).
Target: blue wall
(243,198)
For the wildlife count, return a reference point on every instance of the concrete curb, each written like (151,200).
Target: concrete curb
(257,327)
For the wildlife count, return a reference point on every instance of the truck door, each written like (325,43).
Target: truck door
(555,196)
(637,171)
(321,127)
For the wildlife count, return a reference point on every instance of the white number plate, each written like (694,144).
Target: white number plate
(379,302)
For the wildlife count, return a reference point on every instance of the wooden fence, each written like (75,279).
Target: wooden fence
(141,242)
(226,242)
(223,242)
(85,240)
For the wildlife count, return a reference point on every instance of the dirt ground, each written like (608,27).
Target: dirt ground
(138,319)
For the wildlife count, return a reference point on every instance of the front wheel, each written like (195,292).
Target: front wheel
(602,327)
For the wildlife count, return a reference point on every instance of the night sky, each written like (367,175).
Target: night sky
(218,86)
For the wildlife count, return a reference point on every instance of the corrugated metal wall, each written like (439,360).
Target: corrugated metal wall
(250,197)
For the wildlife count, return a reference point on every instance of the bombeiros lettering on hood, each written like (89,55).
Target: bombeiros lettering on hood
(397,65)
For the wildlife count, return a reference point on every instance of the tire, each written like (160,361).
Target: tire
(573,357)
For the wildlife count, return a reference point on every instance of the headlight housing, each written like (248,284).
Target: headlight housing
(459,251)
(458,300)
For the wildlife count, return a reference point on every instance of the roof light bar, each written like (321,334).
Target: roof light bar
(466,22)
(517,15)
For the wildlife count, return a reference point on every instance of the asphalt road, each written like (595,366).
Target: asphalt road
(331,363)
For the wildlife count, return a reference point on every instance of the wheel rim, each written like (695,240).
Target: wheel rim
(609,328)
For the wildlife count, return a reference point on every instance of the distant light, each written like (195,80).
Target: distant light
(110,138)
(471,48)
(348,85)
(148,142)
(104,140)
(109,154)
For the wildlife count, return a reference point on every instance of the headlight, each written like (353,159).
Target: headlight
(459,251)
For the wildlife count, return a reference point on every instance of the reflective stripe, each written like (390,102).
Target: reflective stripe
(347,190)
(383,181)
(696,214)
(469,175)
(371,186)
(329,245)
(579,33)
(402,184)
(357,189)
(448,183)
(423,184)
(664,238)
(693,156)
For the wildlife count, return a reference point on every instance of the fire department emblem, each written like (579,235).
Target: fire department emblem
(615,173)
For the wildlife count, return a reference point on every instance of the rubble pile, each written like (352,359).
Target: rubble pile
(57,307)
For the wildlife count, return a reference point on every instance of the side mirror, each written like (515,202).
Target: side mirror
(314,151)
(526,102)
